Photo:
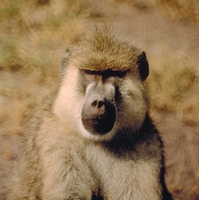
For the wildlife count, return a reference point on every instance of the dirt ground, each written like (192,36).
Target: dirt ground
(159,37)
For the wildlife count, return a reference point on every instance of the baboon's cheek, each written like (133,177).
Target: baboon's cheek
(98,117)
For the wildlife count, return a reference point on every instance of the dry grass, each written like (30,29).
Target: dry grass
(180,9)
(30,32)
(174,9)
(173,83)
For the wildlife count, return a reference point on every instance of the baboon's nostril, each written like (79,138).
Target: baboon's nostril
(97,104)
(94,103)
(100,104)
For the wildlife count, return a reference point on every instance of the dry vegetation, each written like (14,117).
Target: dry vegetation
(33,36)
(172,88)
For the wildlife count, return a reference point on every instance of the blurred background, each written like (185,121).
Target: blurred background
(34,35)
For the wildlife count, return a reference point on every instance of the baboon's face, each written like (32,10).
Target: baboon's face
(113,101)
(98,113)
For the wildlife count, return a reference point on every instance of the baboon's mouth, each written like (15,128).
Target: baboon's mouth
(99,124)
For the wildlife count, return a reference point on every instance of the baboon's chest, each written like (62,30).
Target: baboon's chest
(120,177)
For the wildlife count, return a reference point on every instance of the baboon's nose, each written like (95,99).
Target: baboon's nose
(97,103)
(98,107)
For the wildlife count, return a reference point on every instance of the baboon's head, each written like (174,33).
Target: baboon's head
(103,92)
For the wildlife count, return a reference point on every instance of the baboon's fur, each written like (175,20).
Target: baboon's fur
(63,161)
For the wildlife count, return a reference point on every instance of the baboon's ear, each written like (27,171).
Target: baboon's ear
(64,61)
(143,65)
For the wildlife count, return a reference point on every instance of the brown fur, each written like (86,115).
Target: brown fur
(63,161)
(100,51)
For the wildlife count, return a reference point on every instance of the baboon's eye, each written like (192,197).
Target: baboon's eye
(91,72)
(120,74)
(107,73)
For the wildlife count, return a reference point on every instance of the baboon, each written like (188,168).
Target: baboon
(95,140)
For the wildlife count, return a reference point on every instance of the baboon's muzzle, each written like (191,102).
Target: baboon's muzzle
(98,115)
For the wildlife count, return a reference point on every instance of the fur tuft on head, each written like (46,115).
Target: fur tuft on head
(102,50)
